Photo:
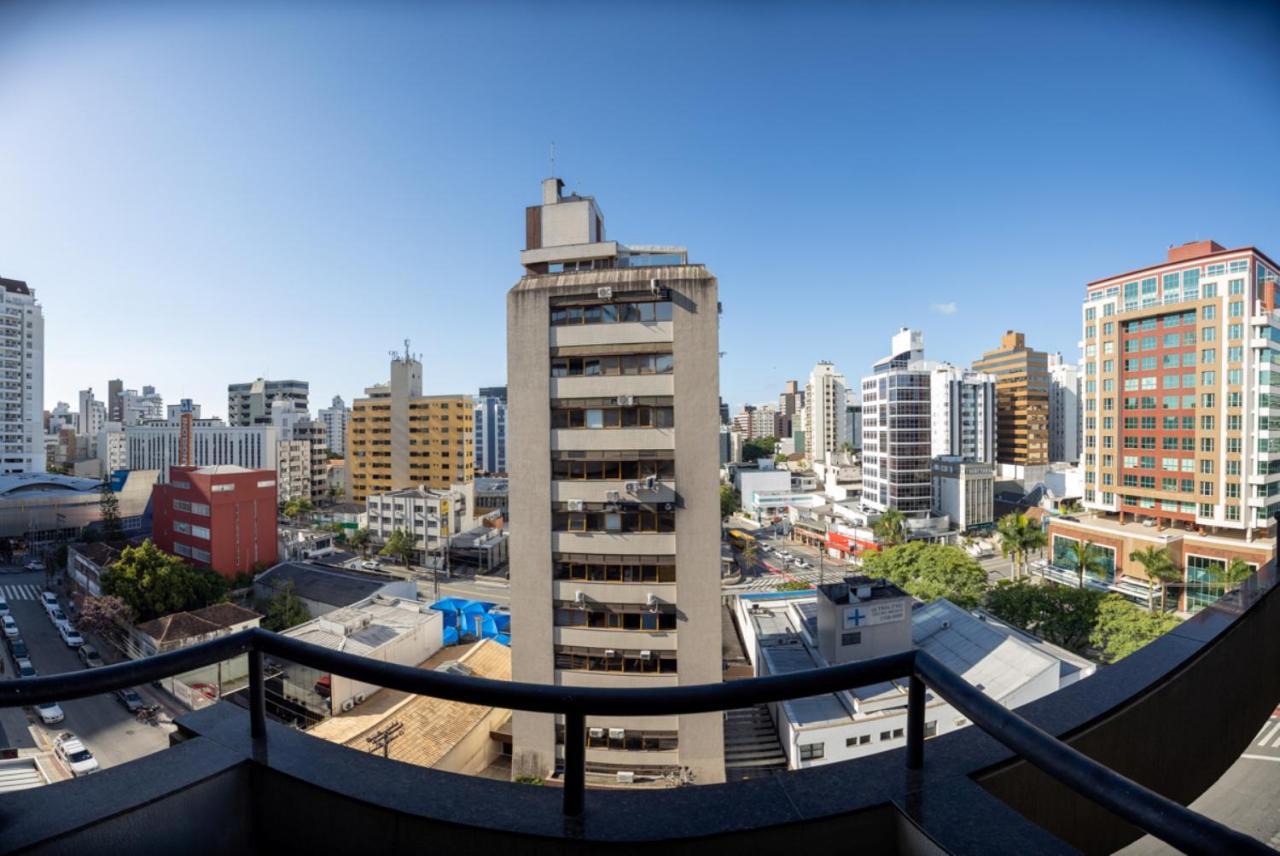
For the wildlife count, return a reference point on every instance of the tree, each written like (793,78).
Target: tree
(109,509)
(750,553)
(295,508)
(761,447)
(399,547)
(1086,558)
(1071,506)
(153,583)
(1060,614)
(1231,575)
(1019,535)
(284,610)
(793,585)
(1120,628)
(930,571)
(728,500)
(1158,567)
(359,539)
(891,529)
(104,615)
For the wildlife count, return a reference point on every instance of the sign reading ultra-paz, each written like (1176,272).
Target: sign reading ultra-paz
(866,614)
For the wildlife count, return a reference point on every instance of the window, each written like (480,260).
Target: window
(223,488)
(811,751)
(860,740)
(267,483)
(1235,309)
(1235,286)
(200,532)
(1209,313)
(851,638)
(931,728)
(1209,334)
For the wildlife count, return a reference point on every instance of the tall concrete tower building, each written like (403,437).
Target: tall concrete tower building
(826,405)
(613,373)
(896,429)
(22,367)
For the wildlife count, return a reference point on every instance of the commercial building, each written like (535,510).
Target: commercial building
(155,445)
(1065,424)
(763,490)
(963,413)
(618,581)
(399,438)
(334,418)
(826,400)
(964,491)
(428,516)
(897,429)
(219,517)
(46,508)
(853,423)
(490,426)
(250,403)
(1022,400)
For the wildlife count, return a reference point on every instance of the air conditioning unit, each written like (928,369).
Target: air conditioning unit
(576,505)
(605,292)
(580,597)
(595,732)
(650,482)
(626,777)
(633,487)
(612,495)
(610,653)
(655,288)
(626,400)
(668,506)
(617,734)
(646,655)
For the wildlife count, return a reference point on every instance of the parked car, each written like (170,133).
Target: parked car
(76,755)
(17,647)
(4,607)
(371,565)
(10,627)
(49,599)
(35,565)
(90,657)
(50,713)
(70,635)
(130,699)
(25,668)
(56,616)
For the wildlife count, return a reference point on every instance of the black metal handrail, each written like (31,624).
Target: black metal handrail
(1161,817)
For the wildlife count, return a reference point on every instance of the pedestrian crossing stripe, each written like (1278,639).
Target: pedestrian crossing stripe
(19,591)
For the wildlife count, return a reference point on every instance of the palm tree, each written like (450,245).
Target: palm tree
(1019,535)
(891,529)
(360,540)
(1231,575)
(749,554)
(1159,567)
(1087,557)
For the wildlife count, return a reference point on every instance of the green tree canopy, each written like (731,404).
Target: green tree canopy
(1062,615)
(1159,568)
(930,571)
(399,547)
(296,507)
(1019,536)
(152,583)
(728,500)
(359,539)
(761,447)
(284,610)
(109,509)
(1120,627)
(891,528)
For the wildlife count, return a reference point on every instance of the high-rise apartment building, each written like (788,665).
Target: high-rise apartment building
(399,438)
(756,423)
(963,413)
(853,422)
(250,403)
(1022,400)
(490,427)
(897,429)
(790,402)
(22,440)
(613,370)
(1178,396)
(115,407)
(156,445)
(138,407)
(825,403)
(334,418)
(1065,425)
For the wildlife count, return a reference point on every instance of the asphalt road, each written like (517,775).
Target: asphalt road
(112,734)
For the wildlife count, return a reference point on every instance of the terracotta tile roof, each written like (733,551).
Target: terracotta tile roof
(184,625)
(432,726)
(225,614)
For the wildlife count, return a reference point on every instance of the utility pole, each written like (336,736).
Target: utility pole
(382,738)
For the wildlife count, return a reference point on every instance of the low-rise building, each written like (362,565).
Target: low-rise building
(85,564)
(964,490)
(219,517)
(184,629)
(47,508)
(430,517)
(323,588)
(492,494)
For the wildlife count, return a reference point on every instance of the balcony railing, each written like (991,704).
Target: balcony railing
(1156,814)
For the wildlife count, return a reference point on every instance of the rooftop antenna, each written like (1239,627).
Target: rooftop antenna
(553,159)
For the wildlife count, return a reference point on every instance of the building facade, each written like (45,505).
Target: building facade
(92,414)
(430,517)
(399,438)
(250,403)
(964,491)
(1065,425)
(790,402)
(490,426)
(897,430)
(22,446)
(115,407)
(618,581)
(155,445)
(334,418)
(825,402)
(1022,400)
(963,413)
(220,517)
(756,423)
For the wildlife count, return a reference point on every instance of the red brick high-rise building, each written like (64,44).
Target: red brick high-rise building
(221,517)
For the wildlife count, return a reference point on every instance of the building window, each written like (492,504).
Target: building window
(812,751)
(200,532)
(223,488)
(859,740)
(852,638)
(931,728)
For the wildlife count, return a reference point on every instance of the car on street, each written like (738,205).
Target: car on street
(130,699)
(4,607)
(10,627)
(57,617)
(70,635)
(35,565)
(25,668)
(90,657)
(75,754)
(18,648)
(49,599)
(50,713)
(371,565)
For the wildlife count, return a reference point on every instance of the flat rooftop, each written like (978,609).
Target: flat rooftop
(1103,523)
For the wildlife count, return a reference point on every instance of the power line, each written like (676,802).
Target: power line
(383,737)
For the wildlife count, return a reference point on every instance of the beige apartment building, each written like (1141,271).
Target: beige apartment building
(399,438)
(1022,400)
(613,373)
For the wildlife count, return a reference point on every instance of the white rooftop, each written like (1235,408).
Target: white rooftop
(365,627)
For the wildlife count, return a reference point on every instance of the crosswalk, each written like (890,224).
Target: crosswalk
(769,582)
(19,591)
(1266,743)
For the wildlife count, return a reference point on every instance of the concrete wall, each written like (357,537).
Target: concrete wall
(409,649)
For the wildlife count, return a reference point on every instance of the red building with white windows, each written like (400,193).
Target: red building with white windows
(221,517)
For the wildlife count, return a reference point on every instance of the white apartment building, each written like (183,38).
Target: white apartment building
(92,414)
(757,421)
(616,570)
(826,402)
(154,445)
(964,491)
(1065,426)
(897,429)
(138,407)
(250,403)
(335,418)
(113,449)
(22,439)
(429,516)
(962,412)
(302,451)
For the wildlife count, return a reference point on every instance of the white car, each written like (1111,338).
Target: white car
(70,635)
(49,599)
(371,566)
(4,607)
(56,616)
(10,626)
(35,565)
(50,713)
(69,748)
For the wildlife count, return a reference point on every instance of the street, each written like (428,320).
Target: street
(110,732)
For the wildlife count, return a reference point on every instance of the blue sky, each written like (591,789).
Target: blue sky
(206,193)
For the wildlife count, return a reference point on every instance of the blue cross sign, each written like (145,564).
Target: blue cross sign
(857,617)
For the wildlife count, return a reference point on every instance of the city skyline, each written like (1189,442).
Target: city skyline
(416,193)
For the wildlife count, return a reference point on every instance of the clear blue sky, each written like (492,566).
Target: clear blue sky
(213,192)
